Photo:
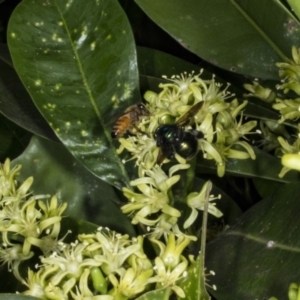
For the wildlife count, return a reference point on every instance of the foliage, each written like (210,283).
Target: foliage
(217,78)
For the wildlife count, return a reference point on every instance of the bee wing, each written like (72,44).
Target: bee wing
(185,119)
(160,157)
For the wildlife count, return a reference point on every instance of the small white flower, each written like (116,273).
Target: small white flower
(196,201)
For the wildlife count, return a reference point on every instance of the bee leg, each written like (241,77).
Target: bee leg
(196,133)
(139,130)
(167,150)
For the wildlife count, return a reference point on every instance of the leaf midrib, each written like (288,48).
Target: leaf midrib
(259,30)
(90,96)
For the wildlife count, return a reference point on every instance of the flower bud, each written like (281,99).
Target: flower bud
(293,292)
(99,282)
(291,161)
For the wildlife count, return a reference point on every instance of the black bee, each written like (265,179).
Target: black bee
(129,120)
(173,138)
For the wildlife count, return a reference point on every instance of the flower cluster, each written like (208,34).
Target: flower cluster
(101,265)
(152,205)
(290,74)
(25,219)
(198,108)
(153,197)
(196,201)
(171,265)
(270,131)
(291,154)
(216,120)
(260,92)
(275,135)
(293,292)
(289,109)
(115,264)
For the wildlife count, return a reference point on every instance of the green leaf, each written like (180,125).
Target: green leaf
(194,285)
(157,63)
(77,226)
(259,256)
(16,103)
(56,172)
(153,64)
(264,166)
(264,186)
(77,60)
(259,110)
(241,36)
(5,55)
(162,294)
(13,139)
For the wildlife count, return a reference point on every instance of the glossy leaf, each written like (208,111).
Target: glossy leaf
(4,54)
(163,294)
(153,64)
(238,35)
(16,103)
(264,166)
(56,172)
(156,63)
(13,139)
(77,226)
(194,285)
(258,110)
(264,186)
(259,256)
(77,60)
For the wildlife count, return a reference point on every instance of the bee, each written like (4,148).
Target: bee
(173,138)
(129,120)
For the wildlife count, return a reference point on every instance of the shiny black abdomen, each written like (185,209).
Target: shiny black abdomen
(187,147)
(172,139)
